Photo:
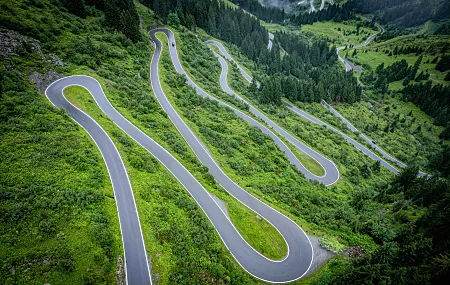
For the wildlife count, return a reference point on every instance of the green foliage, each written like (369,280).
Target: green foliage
(53,194)
(173,20)
(122,16)
(418,252)
(179,237)
(395,130)
(76,7)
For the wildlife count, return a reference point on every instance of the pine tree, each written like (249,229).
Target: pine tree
(445,134)
(76,7)
(173,20)
(447,77)
(122,16)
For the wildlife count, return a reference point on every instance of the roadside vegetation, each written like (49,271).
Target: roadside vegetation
(57,211)
(400,128)
(431,48)
(177,234)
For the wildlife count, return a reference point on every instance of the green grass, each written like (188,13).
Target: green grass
(157,195)
(405,142)
(42,146)
(209,81)
(236,81)
(335,32)
(372,58)
(215,49)
(260,183)
(58,221)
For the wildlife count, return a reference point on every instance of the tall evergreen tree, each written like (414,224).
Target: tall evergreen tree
(76,7)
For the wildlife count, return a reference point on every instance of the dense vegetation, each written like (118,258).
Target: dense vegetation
(265,13)
(58,218)
(417,251)
(239,28)
(309,74)
(403,13)
(57,213)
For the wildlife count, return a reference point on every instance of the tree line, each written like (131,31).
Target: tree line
(336,13)
(120,15)
(402,13)
(308,69)
(217,19)
(308,74)
(432,99)
(265,13)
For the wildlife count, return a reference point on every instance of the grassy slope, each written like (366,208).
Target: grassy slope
(376,53)
(406,142)
(331,31)
(194,55)
(349,161)
(374,58)
(58,219)
(262,191)
(318,138)
(399,143)
(257,232)
(168,214)
(60,222)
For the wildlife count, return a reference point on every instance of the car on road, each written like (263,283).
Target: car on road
(374,142)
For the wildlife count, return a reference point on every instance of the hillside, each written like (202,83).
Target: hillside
(179,142)
(403,13)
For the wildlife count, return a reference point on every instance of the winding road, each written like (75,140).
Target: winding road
(300,253)
(305,115)
(348,65)
(136,262)
(331,172)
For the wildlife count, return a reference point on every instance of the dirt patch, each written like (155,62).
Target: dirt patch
(321,255)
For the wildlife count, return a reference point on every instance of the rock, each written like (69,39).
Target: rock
(13,44)
(355,252)
(44,80)
(55,60)
(120,274)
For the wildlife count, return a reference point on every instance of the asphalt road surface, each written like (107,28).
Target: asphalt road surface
(300,253)
(269,45)
(136,263)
